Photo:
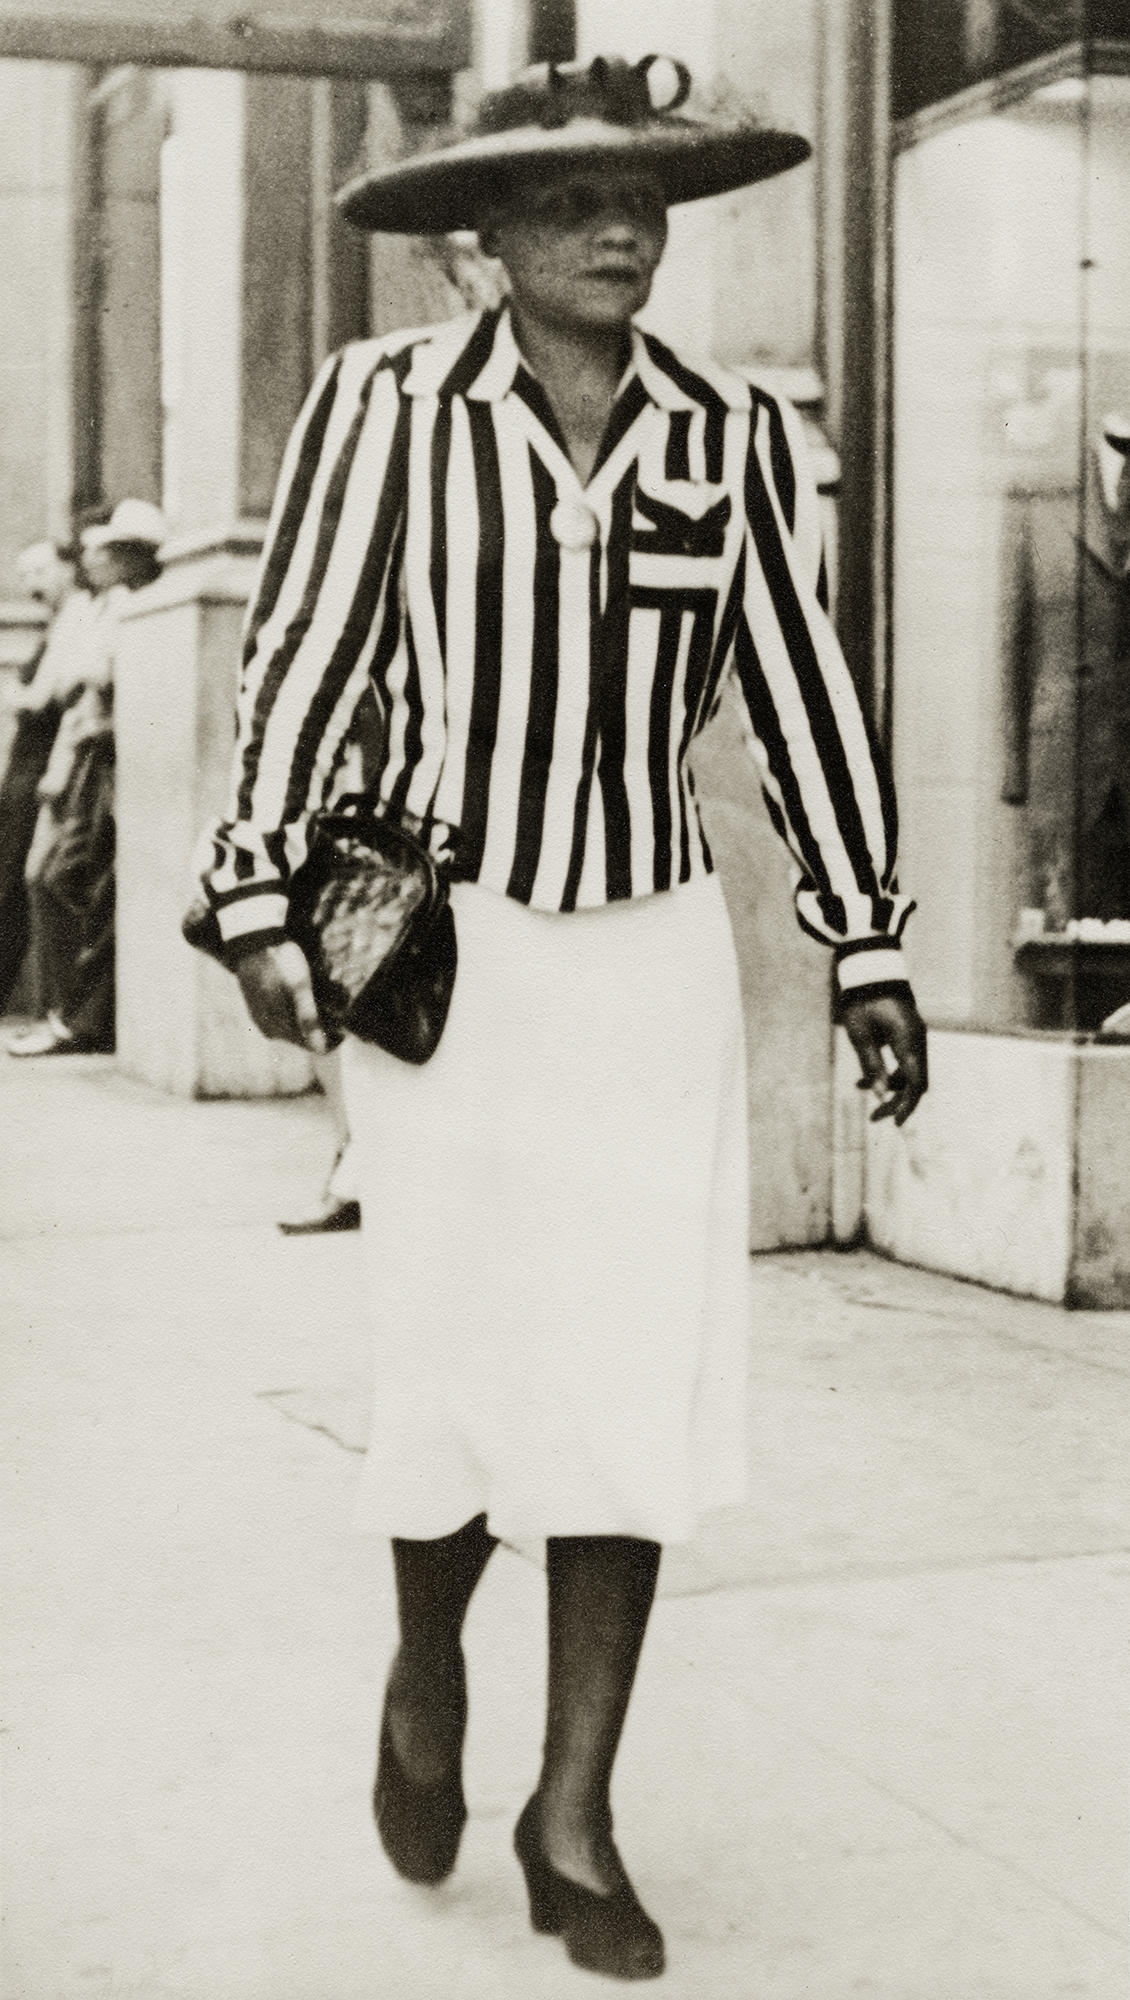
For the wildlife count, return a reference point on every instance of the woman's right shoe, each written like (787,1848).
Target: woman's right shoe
(612,1934)
(420,1826)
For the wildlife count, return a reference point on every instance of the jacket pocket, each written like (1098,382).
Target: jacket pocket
(684,518)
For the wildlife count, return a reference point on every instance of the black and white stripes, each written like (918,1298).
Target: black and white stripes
(544,654)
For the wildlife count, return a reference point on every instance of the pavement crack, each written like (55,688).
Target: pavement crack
(944,1826)
(1072,1360)
(968,1321)
(274,1398)
(881,1572)
(52,1232)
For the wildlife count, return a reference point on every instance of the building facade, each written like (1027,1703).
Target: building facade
(179,272)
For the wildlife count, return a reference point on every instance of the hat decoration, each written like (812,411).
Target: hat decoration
(551,94)
(556,117)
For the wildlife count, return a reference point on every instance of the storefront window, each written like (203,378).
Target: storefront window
(1011,547)
(942,47)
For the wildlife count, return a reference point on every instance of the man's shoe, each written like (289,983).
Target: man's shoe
(338,1216)
(43,1038)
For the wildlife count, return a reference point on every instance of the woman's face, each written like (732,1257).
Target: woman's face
(580,249)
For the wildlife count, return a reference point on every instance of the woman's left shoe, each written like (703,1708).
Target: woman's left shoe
(421,1825)
(612,1934)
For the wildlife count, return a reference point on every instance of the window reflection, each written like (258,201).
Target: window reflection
(1011,610)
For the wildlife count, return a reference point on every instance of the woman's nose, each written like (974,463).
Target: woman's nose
(616,227)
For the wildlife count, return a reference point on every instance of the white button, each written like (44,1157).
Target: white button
(573,525)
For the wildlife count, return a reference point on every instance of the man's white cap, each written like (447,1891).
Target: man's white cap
(131,521)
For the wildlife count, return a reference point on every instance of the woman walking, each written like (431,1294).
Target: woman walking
(546,540)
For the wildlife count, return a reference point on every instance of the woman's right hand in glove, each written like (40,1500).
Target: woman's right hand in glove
(275,983)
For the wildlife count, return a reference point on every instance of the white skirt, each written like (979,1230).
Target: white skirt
(556,1229)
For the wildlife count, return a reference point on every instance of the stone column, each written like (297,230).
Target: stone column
(37,136)
(202,298)
(127,112)
(235,202)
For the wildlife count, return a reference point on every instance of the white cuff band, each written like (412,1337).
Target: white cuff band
(251,913)
(868,968)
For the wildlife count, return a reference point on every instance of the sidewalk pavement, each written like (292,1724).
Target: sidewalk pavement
(876,1748)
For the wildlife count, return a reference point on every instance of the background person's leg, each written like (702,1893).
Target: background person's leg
(339,1207)
(87,1008)
(19,808)
(55,942)
(328,1071)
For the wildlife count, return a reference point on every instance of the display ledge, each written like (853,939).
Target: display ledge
(1020,1032)
(1072,62)
(1060,946)
(1085,980)
(1013,1171)
(1094,963)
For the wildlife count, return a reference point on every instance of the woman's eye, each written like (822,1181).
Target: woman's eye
(576,207)
(583,204)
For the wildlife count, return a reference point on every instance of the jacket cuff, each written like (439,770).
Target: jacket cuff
(896,989)
(870,963)
(251,921)
(241,948)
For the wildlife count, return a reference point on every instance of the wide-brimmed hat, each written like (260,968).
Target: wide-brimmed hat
(565,115)
(131,521)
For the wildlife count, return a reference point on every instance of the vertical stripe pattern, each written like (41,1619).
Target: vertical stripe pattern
(544,653)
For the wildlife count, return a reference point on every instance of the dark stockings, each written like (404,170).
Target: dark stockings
(434,1584)
(601,1589)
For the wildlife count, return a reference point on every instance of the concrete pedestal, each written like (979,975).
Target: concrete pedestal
(181,1021)
(785,994)
(1014,1171)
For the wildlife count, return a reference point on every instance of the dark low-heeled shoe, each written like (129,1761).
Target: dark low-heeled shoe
(612,1934)
(340,1215)
(420,1826)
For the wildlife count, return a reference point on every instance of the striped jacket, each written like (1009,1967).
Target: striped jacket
(543,653)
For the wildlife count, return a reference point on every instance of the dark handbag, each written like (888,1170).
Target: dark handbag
(369,907)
